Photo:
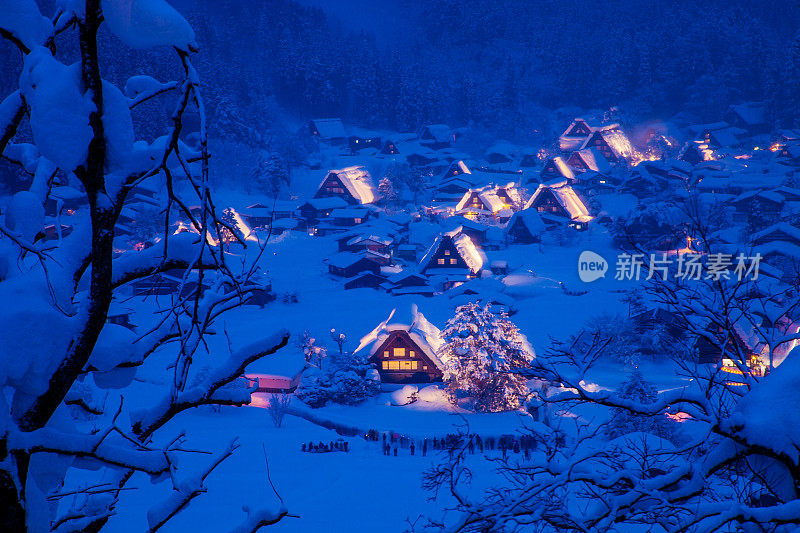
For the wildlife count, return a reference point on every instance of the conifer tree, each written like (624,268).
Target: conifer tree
(623,421)
(483,352)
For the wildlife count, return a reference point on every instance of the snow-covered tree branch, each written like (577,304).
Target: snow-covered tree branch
(64,353)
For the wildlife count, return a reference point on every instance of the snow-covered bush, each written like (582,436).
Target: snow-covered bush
(483,354)
(345,379)
(405,395)
(277,407)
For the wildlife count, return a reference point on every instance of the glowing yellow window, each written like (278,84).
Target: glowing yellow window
(386,353)
(394,365)
(447,252)
(441,261)
(424,367)
(405,365)
(386,365)
(399,352)
(411,353)
(453,261)
(414,365)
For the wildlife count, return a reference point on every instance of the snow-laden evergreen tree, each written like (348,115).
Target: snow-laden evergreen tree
(386,188)
(483,353)
(270,173)
(623,421)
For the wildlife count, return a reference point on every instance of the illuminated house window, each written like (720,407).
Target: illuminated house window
(424,367)
(447,252)
(453,261)
(414,365)
(386,353)
(399,352)
(357,220)
(394,365)
(440,261)
(411,353)
(386,365)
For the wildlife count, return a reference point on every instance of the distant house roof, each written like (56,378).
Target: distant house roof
(329,128)
(352,212)
(345,259)
(358,183)
(562,168)
(359,239)
(780,227)
(759,195)
(530,218)
(423,333)
(441,133)
(488,197)
(725,137)
(331,202)
(616,140)
(566,196)
(469,252)
(593,159)
(751,113)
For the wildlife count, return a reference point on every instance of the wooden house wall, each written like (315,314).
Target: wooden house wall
(396,364)
(333,186)
(546,202)
(446,256)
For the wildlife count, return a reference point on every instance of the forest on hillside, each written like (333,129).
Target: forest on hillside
(500,64)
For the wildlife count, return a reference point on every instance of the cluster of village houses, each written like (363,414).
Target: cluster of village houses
(741,168)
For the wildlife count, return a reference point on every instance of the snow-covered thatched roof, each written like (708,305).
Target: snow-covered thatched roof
(593,159)
(423,333)
(530,218)
(358,182)
(564,195)
(344,259)
(359,239)
(488,197)
(562,168)
(751,113)
(469,252)
(617,140)
(441,133)
(780,227)
(331,202)
(759,195)
(330,128)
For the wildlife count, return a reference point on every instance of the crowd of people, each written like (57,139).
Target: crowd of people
(392,443)
(321,447)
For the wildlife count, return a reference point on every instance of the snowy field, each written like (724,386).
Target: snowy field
(319,487)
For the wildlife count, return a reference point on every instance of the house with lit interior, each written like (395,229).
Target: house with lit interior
(328,130)
(436,136)
(482,202)
(588,159)
(405,352)
(612,143)
(353,184)
(558,202)
(453,253)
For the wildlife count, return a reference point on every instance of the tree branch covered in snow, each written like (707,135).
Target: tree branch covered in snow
(734,462)
(64,354)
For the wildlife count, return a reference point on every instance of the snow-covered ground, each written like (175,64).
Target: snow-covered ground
(331,490)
